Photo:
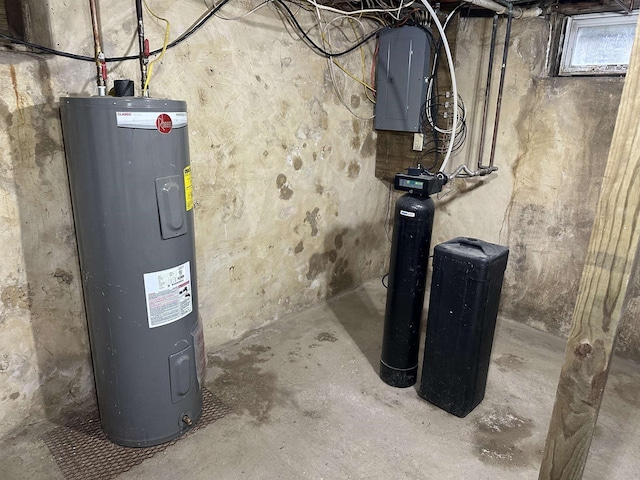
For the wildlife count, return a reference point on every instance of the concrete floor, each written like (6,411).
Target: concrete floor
(310,406)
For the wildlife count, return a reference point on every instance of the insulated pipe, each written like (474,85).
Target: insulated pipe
(100,59)
(487,91)
(502,10)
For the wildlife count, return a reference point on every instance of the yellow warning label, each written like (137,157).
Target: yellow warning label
(188,189)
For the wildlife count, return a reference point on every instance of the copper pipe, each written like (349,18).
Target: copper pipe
(487,91)
(501,86)
(99,55)
(142,56)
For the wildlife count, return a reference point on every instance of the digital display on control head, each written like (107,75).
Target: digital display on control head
(403,182)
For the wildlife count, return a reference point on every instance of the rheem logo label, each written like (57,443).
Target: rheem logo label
(163,123)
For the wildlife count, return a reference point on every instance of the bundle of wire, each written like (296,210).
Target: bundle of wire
(440,106)
(332,29)
(437,131)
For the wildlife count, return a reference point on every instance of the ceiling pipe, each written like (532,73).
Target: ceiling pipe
(487,91)
(503,67)
(503,10)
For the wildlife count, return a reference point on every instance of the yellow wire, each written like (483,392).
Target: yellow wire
(361,82)
(366,91)
(164,47)
(364,84)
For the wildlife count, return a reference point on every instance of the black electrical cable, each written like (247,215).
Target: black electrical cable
(318,49)
(311,44)
(85,58)
(196,27)
(385,285)
(420,160)
(46,49)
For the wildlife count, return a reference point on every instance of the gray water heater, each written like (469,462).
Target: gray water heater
(128,163)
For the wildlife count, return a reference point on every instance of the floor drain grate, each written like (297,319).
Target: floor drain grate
(83,452)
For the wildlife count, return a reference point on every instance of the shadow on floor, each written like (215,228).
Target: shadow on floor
(363,318)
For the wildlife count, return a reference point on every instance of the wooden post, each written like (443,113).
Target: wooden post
(613,251)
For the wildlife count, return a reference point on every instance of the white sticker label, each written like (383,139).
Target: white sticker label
(168,294)
(407,214)
(151,120)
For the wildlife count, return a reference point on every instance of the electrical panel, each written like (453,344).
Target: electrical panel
(402,74)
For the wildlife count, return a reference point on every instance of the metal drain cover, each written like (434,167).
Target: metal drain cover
(83,452)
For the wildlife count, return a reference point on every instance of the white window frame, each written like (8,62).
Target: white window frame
(573,25)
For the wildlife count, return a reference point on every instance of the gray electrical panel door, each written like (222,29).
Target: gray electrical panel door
(128,163)
(403,69)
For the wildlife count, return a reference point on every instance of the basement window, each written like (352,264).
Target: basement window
(597,44)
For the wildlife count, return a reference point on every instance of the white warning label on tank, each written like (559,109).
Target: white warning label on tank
(168,294)
(151,120)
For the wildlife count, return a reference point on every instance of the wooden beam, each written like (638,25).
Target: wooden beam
(394,153)
(556,22)
(612,253)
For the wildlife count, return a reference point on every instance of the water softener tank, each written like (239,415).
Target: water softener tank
(128,163)
(405,294)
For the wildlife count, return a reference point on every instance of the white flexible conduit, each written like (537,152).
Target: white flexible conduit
(454,86)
